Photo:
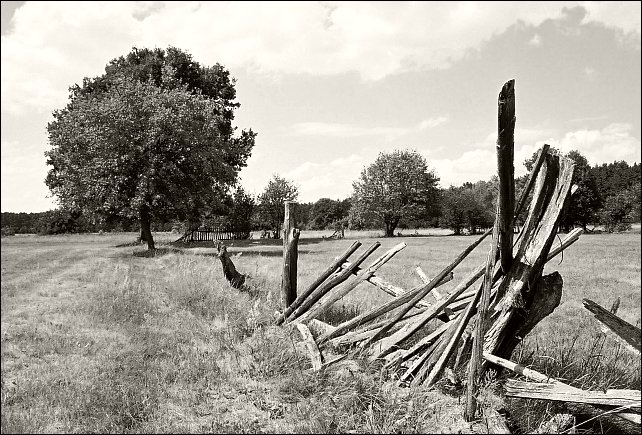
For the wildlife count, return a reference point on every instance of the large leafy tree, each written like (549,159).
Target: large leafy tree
(271,209)
(397,185)
(151,139)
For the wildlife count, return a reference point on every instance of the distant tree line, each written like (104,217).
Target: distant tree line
(392,194)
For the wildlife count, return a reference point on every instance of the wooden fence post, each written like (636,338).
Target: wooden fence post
(290,256)
(505,169)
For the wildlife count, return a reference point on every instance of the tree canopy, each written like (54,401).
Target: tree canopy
(397,185)
(151,138)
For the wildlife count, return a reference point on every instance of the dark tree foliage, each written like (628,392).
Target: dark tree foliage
(613,178)
(465,208)
(397,185)
(152,138)
(619,209)
(240,215)
(326,213)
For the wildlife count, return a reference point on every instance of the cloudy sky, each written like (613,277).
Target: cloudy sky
(329,85)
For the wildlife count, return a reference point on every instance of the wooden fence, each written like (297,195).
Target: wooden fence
(213,234)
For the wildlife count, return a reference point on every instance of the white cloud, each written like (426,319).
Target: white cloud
(56,44)
(622,15)
(342,130)
(474,165)
(331,129)
(611,143)
(536,40)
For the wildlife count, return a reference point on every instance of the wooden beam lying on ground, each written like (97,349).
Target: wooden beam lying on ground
(623,329)
(559,392)
(313,350)
(540,377)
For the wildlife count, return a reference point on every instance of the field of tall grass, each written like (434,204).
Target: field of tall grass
(98,337)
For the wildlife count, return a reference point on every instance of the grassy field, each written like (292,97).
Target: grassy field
(96,339)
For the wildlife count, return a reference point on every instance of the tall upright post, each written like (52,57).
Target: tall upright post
(506,171)
(290,256)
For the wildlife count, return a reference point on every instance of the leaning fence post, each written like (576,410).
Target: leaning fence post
(290,256)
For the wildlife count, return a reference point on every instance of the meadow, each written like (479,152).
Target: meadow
(98,337)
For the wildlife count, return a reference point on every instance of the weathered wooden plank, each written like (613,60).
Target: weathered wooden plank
(560,392)
(450,347)
(424,278)
(553,185)
(388,343)
(374,313)
(425,342)
(313,350)
(312,287)
(536,376)
(623,329)
(391,289)
(349,286)
(330,283)
(428,287)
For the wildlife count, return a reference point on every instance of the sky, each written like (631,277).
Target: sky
(330,85)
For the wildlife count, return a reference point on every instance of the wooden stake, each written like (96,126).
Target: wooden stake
(505,170)
(236,279)
(290,256)
(480,329)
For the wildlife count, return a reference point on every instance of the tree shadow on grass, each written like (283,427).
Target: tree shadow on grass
(244,243)
(147,253)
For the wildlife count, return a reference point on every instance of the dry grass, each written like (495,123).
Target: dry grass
(95,339)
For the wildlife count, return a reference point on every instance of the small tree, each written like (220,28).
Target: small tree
(271,211)
(397,185)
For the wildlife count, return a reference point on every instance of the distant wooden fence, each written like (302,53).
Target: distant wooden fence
(204,234)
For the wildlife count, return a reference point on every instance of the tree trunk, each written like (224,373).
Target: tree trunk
(390,227)
(145,228)
(141,236)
